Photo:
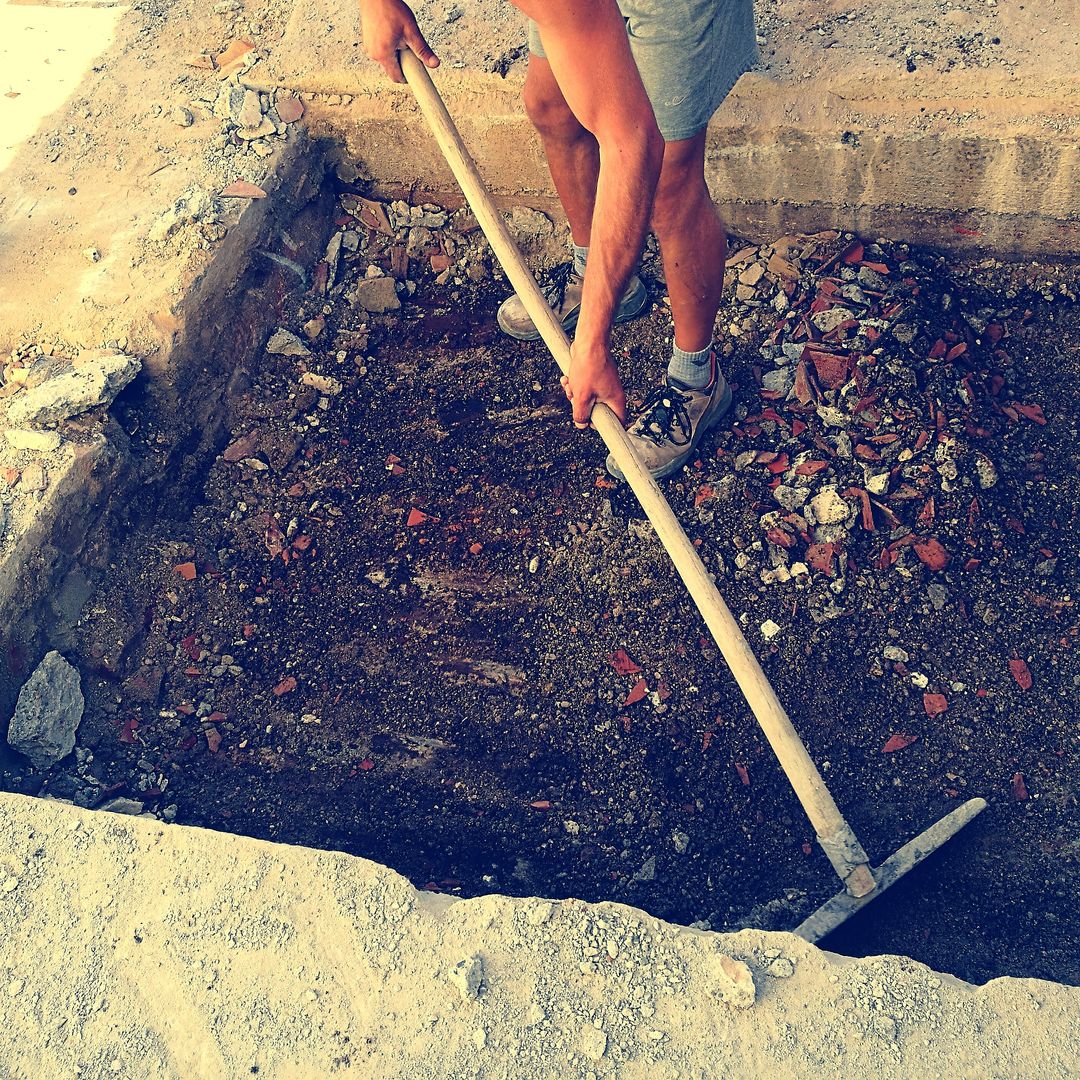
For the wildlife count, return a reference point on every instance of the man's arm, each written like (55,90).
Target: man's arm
(587,47)
(387,26)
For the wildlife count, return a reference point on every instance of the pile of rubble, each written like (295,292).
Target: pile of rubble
(883,401)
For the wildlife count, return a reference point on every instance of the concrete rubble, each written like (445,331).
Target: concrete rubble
(48,712)
(93,381)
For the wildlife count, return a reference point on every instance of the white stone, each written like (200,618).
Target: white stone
(829,507)
(44,442)
(769,629)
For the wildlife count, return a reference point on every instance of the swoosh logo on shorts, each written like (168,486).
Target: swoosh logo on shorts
(675,101)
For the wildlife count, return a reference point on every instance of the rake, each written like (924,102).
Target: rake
(861,882)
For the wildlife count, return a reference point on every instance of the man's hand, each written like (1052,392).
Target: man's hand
(387,26)
(593,378)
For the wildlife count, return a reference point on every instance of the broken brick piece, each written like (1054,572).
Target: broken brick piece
(934,704)
(1021,674)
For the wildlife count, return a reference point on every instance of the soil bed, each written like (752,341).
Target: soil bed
(392,624)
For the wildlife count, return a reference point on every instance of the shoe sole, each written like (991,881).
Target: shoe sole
(571,320)
(677,463)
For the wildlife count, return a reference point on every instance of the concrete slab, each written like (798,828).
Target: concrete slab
(134,949)
(952,124)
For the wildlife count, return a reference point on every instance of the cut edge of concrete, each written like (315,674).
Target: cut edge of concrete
(165,952)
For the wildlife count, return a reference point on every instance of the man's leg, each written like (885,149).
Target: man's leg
(573,155)
(693,243)
(694,395)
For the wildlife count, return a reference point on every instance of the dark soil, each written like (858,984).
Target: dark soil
(434,690)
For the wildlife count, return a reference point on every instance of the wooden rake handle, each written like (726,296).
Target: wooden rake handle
(833,832)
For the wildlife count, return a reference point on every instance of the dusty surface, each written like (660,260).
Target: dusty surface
(391,625)
(915,115)
(245,958)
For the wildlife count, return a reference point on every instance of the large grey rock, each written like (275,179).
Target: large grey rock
(377,294)
(94,380)
(48,712)
(528,226)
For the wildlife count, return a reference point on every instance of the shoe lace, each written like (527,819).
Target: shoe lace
(556,281)
(662,412)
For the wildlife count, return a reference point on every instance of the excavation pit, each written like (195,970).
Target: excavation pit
(401,611)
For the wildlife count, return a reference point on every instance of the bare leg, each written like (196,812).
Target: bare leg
(573,155)
(693,242)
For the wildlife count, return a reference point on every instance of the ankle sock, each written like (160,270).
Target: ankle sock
(690,369)
(581,254)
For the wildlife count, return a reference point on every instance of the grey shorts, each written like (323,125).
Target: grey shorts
(690,54)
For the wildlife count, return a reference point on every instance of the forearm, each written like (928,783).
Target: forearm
(629,167)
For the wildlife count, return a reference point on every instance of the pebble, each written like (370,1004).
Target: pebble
(831,318)
(34,477)
(376,294)
(594,1043)
(769,629)
(325,384)
(44,442)
(647,870)
(534,1015)
(986,473)
(790,498)
(539,913)
(829,508)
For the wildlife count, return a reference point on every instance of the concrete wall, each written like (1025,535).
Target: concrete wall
(976,148)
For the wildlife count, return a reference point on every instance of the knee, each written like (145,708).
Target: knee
(547,110)
(679,190)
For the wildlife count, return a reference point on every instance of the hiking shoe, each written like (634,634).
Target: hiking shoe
(672,421)
(562,290)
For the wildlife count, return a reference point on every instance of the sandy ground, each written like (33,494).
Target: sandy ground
(152,952)
(45,54)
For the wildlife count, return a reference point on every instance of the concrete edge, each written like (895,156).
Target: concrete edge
(151,951)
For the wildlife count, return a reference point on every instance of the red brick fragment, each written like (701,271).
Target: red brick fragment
(622,663)
(1021,674)
(934,704)
(932,554)
(898,742)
